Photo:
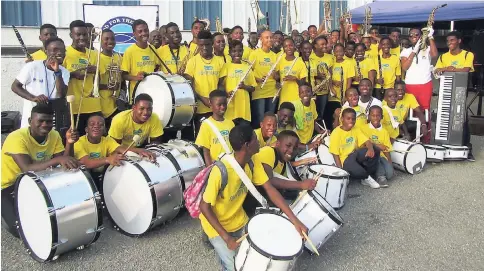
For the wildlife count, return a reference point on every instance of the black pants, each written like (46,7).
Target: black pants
(331,106)
(198,120)
(359,166)
(109,120)
(379,93)
(81,127)
(8,211)
(187,133)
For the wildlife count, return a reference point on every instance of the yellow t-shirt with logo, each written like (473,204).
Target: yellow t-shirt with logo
(73,61)
(172,58)
(262,65)
(378,136)
(348,69)
(327,59)
(207,138)
(103,149)
(239,106)
(312,70)
(386,122)
(124,128)
(267,155)
(260,138)
(111,66)
(228,207)
(21,142)
(39,55)
(390,68)
(361,119)
(406,103)
(245,55)
(462,60)
(206,74)
(290,89)
(343,143)
(365,66)
(135,60)
(309,115)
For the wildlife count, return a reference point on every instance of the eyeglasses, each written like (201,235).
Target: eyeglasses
(414,35)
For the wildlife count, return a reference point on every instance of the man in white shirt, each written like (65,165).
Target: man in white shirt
(416,64)
(366,100)
(45,82)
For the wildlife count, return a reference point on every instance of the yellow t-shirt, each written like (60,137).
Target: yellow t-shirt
(20,142)
(309,115)
(343,143)
(378,136)
(75,60)
(39,55)
(207,138)
(373,53)
(312,70)
(245,55)
(290,89)
(103,149)
(361,119)
(172,58)
(239,106)
(263,63)
(228,207)
(327,59)
(192,48)
(348,68)
(124,128)
(366,65)
(260,138)
(224,58)
(406,103)
(135,60)
(464,59)
(110,65)
(390,68)
(386,122)
(267,155)
(206,74)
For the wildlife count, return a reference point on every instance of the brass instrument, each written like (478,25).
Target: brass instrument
(367,20)
(218,25)
(207,23)
(348,23)
(327,15)
(341,92)
(95,89)
(183,64)
(425,31)
(114,77)
(257,13)
(282,83)
(323,85)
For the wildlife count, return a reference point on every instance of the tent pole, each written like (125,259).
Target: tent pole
(451,25)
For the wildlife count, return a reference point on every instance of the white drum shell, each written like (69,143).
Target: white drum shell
(188,158)
(76,209)
(455,152)
(435,153)
(331,185)
(412,158)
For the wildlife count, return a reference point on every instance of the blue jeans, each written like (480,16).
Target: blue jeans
(224,254)
(384,168)
(259,107)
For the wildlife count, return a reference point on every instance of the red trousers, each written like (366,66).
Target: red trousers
(423,94)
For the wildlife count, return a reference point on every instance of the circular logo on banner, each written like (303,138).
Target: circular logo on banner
(123,32)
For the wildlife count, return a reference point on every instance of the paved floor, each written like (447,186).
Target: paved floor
(430,221)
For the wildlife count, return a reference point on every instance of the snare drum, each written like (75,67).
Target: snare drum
(408,156)
(291,172)
(455,152)
(435,153)
(173,98)
(140,195)
(57,212)
(318,216)
(272,243)
(332,183)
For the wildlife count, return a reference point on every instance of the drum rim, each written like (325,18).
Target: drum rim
(175,163)
(434,147)
(266,254)
(455,148)
(339,221)
(293,171)
(329,176)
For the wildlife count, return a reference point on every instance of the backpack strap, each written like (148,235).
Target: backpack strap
(276,162)
(251,165)
(465,56)
(224,174)
(441,59)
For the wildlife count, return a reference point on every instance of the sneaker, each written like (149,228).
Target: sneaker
(370,182)
(470,157)
(205,240)
(382,181)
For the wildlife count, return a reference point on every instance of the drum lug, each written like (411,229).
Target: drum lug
(151,184)
(96,196)
(61,241)
(52,210)
(93,230)
(153,220)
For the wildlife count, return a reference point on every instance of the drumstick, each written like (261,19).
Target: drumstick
(310,243)
(136,138)
(242,238)
(415,140)
(304,192)
(403,151)
(70,99)
(324,124)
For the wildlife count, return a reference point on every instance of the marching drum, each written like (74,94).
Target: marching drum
(292,173)
(435,153)
(173,98)
(272,243)
(455,152)
(408,156)
(318,216)
(331,184)
(57,211)
(140,195)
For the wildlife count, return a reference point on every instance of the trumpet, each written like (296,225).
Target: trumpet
(240,82)
(95,89)
(282,83)
(271,70)
(323,85)
(114,73)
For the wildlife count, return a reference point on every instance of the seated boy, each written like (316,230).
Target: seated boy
(393,120)
(352,99)
(406,102)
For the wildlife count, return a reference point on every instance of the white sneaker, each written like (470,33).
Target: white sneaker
(370,182)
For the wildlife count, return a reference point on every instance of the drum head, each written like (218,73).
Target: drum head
(274,236)
(327,170)
(322,202)
(128,198)
(415,158)
(34,217)
(325,157)
(163,98)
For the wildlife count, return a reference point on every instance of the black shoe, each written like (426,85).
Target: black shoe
(205,240)
(470,157)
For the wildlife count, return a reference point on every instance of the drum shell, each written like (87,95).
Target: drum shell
(435,153)
(412,160)
(455,153)
(74,205)
(331,187)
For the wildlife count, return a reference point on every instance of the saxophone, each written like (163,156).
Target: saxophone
(425,31)
(323,85)
(358,69)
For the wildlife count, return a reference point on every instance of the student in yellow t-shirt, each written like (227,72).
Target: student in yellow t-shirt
(174,52)
(350,48)
(33,148)
(326,62)
(206,138)
(222,216)
(290,74)
(381,139)
(76,62)
(219,47)
(139,59)
(393,120)
(203,70)
(395,34)
(371,49)
(352,101)
(406,102)
(264,59)
(140,120)
(197,26)
(156,38)
(47,31)
(310,63)
(277,41)
(266,134)
(456,59)
(306,115)
(366,67)
(232,73)
(237,33)
(391,70)
(346,147)
(110,81)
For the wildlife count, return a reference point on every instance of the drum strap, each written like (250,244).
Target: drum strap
(393,121)
(219,136)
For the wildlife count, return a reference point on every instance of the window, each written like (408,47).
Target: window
(205,9)
(274,9)
(336,7)
(21,13)
(116,3)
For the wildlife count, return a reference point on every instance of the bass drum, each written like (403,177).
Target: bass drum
(173,98)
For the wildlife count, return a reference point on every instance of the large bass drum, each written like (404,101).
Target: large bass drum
(58,211)
(173,98)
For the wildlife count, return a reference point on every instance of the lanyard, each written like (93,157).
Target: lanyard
(309,70)
(177,55)
(49,94)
